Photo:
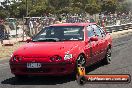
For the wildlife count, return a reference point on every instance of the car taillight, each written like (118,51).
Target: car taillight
(56,58)
(16,58)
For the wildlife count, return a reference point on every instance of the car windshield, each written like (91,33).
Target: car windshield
(60,33)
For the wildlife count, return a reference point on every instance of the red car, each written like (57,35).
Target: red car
(58,49)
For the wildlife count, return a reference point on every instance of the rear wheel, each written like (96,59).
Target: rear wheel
(107,59)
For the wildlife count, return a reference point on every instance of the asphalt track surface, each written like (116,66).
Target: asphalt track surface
(121,64)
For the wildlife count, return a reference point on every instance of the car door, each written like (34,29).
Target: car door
(100,42)
(104,41)
(91,47)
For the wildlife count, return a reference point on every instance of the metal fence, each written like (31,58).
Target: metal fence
(29,26)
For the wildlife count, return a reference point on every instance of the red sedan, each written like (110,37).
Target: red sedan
(58,49)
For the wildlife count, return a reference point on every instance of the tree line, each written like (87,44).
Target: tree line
(20,8)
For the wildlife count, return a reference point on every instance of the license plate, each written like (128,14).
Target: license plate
(33,65)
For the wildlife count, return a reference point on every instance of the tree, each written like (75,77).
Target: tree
(37,9)
(92,7)
(5,8)
(124,6)
(109,6)
(17,8)
(3,14)
(59,5)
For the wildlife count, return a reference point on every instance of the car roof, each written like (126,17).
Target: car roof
(72,24)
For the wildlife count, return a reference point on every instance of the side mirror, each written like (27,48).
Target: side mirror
(28,40)
(94,38)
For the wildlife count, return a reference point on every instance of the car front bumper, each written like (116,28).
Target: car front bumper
(46,69)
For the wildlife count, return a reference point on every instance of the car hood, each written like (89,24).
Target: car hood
(45,49)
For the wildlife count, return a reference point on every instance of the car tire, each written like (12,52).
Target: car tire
(81,61)
(81,80)
(107,59)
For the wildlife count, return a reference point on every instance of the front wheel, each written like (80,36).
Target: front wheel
(81,61)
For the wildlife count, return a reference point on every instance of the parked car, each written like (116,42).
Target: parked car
(58,49)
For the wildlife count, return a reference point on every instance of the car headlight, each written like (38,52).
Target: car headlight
(56,58)
(67,56)
(16,58)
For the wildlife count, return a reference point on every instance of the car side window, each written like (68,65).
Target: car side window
(102,32)
(90,31)
(97,31)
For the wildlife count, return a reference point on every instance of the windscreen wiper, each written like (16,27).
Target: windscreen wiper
(46,40)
